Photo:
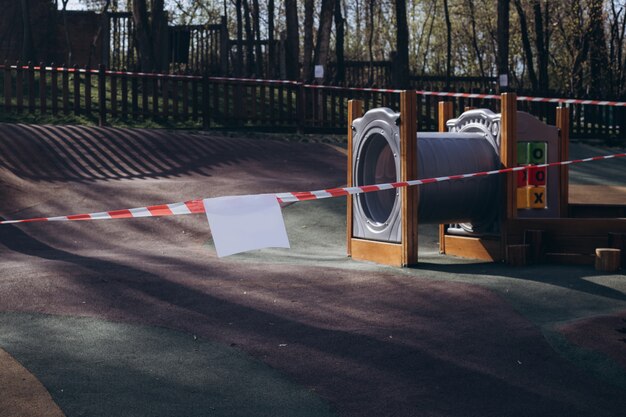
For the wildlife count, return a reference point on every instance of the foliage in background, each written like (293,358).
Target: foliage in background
(574,47)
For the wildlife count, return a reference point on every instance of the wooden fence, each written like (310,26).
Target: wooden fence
(195,101)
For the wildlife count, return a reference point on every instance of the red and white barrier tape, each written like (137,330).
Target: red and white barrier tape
(325,87)
(196,206)
(526,98)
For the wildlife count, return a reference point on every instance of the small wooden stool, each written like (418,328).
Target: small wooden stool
(608,259)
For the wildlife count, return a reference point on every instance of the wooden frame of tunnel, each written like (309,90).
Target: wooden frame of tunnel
(405,252)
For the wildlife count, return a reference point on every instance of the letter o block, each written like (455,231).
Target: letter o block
(537,176)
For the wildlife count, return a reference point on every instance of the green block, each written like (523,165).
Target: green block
(538,153)
(522,153)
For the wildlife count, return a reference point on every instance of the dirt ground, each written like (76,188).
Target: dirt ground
(138,317)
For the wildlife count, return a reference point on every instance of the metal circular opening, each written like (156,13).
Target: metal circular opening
(377,165)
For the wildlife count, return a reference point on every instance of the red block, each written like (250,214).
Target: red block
(522,178)
(537,176)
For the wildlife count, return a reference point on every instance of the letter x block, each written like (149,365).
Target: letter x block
(531,197)
(537,197)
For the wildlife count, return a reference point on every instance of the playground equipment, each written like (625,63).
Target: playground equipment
(517,217)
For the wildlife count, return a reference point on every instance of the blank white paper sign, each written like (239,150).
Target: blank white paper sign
(244,223)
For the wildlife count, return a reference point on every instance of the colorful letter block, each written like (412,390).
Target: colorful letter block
(537,153)
(537,176)
(522,198)
(537,197)
(522,153)
(531,183)
(522,178)
(531,197)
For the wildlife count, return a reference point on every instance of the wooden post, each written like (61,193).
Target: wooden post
(165,94)
(145,95)
(102,99)
(87,90)
(206,113)
(134,88)
(508,149)
(155,97)
(508,159)
(562,122)
(355,110)
(19,87)
(408,171)
(301,107)
(30,76)
(607,259)
(124,82)
(65,90)
(113,97)
(174,95)
(76,90)
(7,87)
(405,252)
(42,89)
(185,98)
(445,114)
(54,92)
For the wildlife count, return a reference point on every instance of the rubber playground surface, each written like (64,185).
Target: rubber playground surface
(138,317)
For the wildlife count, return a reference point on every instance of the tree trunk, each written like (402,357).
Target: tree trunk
(528,52)
(150,33)
(307,59)
(503,44)
(271,50)
(158,28)
(598,60)
(322,47)
(477,50)
(239,66)
(66,31)
(432,12)
(249,40)
(256,24)
(581,46)
(292,42)
(370,40)
(618,31)
(402,46)
(142,33)
(446,11)
(541,41)
(104,23)
(28,50)
(340,75)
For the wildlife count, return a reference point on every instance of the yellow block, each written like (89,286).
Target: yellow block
(522,198)
(537,197)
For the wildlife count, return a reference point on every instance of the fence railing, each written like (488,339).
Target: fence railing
(196,101)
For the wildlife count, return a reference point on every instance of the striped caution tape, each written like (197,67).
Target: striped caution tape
(197,206)
(526,98)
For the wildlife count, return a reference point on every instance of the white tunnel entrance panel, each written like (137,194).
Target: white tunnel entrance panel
(376,150)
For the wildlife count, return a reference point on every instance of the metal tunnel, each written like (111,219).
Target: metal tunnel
(376,159)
